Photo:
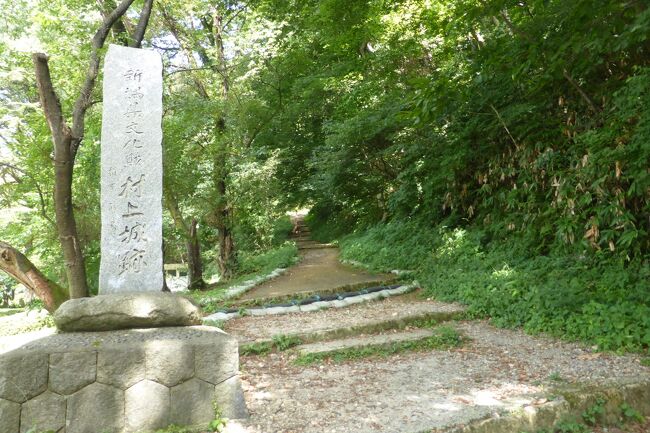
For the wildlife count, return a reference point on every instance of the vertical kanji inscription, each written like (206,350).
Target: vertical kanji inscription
(131,172)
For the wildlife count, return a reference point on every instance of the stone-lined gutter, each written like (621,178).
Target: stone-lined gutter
(316,302)
(568,403)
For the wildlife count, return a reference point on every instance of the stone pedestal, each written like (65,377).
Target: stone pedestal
(135,380)
(127,310)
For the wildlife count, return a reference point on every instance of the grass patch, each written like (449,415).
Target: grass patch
(444,338)
(591,421)
(280,257)
(278,343)
(10,311)
(26,324)
(261,348)
(214,323)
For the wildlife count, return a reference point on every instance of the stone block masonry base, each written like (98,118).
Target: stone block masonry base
(126,381)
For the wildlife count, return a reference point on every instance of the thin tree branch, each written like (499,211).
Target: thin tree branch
(120,33)
(579,89)
(142,24)
(49,99)
(83,101)
(187,70)
(259,129)
(514,30)
(235,15)
(504,126)
(176,32)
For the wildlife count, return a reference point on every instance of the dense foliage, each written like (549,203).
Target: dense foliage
(497,148)
(526,118)
(604,302)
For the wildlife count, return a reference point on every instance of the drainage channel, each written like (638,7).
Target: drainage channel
(316,302)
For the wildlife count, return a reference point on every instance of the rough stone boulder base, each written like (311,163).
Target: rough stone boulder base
(150,413)
(131,172)
(69,372)
(192,401)
(123,311)
(229,398)
(97,407)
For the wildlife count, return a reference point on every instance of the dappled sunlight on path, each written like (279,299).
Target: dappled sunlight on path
(319,270)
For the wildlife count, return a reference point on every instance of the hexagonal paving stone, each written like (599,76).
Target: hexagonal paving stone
(120,368)
(191,403)
(170,363)
(23,375)
(71,371)
(229,399)
(43,413)
(146,406)
(9,415)
(95,408)
(216,363)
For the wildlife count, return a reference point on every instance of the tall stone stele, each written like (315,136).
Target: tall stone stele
(131,172)
(131,268)
(125,380)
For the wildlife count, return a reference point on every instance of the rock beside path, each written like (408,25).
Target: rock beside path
(124,311)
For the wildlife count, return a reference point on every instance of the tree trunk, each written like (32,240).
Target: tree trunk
(190,233)
(18,266)
(194,263)
(165,287)
(66,225)
(63,167)
(227,258)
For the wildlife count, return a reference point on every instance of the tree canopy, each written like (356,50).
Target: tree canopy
(526,121)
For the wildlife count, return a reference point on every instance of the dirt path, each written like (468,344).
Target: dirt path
(497,371)
(319,270)
(255,328)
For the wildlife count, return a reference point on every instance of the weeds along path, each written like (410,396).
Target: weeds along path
(319,269)
(406,364)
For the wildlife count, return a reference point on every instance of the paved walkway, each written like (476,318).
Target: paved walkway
(319,270)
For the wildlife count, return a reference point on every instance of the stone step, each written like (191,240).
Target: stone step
(314,246)
(376,340)
(354,325)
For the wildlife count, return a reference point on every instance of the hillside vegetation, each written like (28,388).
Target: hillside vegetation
(499,149)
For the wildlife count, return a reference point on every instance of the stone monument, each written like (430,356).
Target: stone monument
(131,167)
(128,360)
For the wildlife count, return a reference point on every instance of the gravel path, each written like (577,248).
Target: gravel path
(497,370)
(252,328)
